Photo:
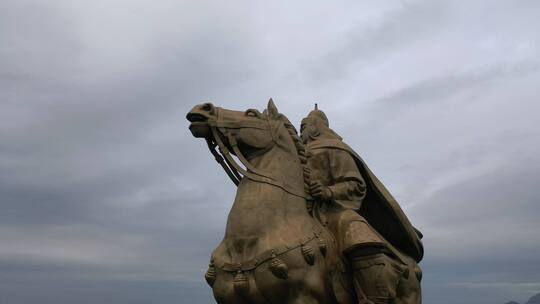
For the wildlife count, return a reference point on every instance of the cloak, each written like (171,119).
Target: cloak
(379,207)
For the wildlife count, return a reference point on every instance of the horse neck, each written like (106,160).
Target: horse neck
(265,211)
(283,165)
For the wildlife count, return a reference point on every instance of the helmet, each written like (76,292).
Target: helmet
(316,115)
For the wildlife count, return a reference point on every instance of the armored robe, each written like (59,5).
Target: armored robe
(336,169)
(358,196)
(372,232)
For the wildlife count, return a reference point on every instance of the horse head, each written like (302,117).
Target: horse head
(251,130)
(248,135)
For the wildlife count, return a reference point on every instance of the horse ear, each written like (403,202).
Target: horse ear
(272,109)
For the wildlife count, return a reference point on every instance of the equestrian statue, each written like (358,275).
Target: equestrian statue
(310,223)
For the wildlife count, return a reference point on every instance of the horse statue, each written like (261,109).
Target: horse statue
(274,250)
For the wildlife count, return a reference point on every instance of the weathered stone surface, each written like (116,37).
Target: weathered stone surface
(310,222)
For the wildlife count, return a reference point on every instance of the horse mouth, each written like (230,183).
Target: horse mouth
(199,125)
(196,117)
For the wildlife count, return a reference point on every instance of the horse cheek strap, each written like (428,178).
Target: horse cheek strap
(231,172)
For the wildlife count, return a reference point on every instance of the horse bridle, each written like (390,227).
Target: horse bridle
(235,172)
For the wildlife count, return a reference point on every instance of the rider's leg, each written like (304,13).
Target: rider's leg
(304,299)
(409,289)
(376,275)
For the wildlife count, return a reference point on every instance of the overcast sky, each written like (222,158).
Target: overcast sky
(106,197)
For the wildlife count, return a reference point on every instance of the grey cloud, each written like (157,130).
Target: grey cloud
(440,88)
(391,30)
(106,197)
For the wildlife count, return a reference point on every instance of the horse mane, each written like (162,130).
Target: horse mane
(300,148)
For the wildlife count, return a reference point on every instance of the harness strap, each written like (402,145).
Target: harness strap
(251,172)
(233,174)
(267,255)
(234,144)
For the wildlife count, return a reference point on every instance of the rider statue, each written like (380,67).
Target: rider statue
(371,230)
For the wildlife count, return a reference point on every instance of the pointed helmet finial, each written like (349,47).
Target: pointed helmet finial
(318,115)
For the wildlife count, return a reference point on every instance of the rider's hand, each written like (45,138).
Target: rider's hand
(320,192)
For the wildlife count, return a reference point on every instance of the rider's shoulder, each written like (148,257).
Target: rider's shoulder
(322,145)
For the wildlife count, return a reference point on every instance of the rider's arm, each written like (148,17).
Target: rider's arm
(348,187)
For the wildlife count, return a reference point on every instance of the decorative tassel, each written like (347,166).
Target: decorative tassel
(322,245)
(240,283)
(307,252)
(278,268)
(210,274)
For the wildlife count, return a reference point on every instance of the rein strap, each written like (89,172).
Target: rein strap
(251,172)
